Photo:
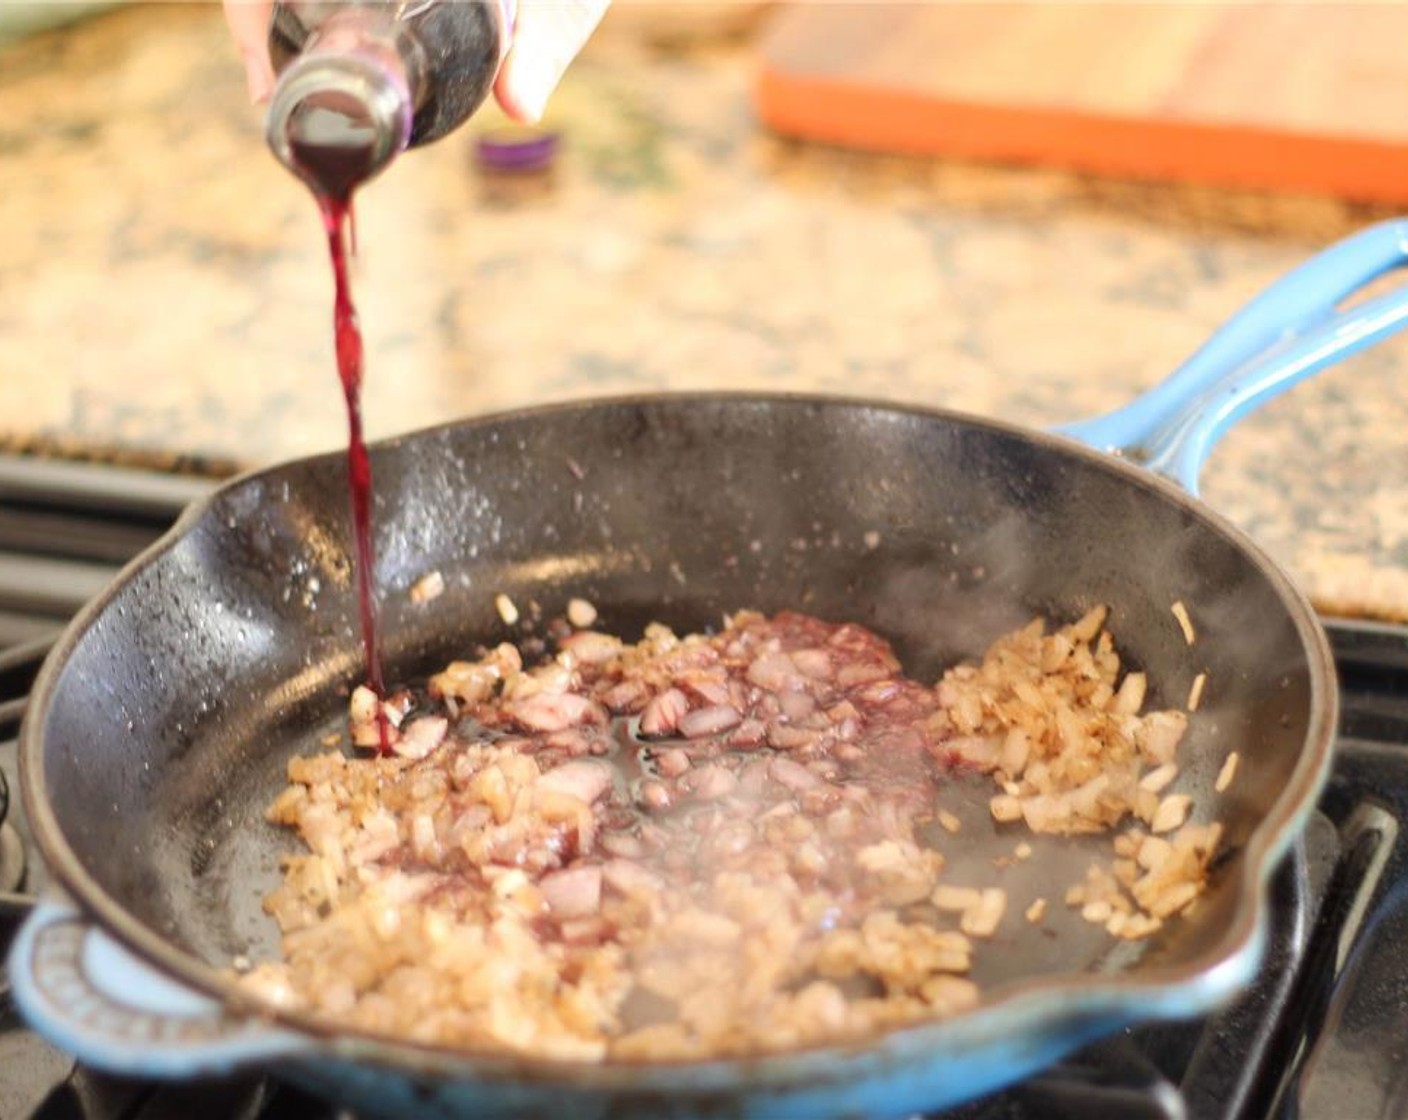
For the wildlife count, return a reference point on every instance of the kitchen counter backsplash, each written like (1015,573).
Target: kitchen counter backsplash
(166,296)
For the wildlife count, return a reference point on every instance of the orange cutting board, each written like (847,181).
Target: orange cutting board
(1290,96)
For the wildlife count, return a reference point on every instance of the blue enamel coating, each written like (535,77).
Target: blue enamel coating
(90,997)
(1297,326)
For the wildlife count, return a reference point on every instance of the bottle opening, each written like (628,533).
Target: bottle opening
(334,141)
(337,119)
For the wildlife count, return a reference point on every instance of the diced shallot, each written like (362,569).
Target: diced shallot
(814,663)
(548,711)
(580,778)
(588,647)
(787,738)
(361,708)
(1159,735)
(655,795)
(709,721)
(629,877)
(796,706)
(775,672)
(580,613)
(775,807)
(573,893)
(793,775)
(709,783)
(672,762)
(663,714)
(421,736)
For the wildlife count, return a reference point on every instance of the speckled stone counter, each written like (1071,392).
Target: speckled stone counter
(164,293)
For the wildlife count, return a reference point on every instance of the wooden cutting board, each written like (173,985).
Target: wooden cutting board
(1292,96)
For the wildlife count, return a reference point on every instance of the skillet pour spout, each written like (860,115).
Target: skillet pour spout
(162,723)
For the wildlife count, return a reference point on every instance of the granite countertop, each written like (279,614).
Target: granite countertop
(166,294)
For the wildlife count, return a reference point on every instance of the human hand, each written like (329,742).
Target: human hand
(547,36)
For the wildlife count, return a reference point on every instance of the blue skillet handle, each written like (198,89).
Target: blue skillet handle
(1296,327)
(93,999)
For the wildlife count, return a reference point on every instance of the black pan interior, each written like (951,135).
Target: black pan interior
(166,723)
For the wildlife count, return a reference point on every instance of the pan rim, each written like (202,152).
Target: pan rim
(1055,1001)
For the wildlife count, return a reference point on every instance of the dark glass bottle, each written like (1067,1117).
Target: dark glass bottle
(370,78)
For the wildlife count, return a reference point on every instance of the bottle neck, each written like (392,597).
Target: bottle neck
(343,108)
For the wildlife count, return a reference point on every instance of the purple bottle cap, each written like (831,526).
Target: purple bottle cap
(518,150)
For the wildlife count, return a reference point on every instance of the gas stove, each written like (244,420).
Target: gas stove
(1323,1031)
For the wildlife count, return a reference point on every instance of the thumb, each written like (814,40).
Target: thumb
(547,36)
(249,26)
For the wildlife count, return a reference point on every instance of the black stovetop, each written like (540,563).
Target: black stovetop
(1323,1031)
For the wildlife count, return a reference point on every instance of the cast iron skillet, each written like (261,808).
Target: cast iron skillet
(160,727)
